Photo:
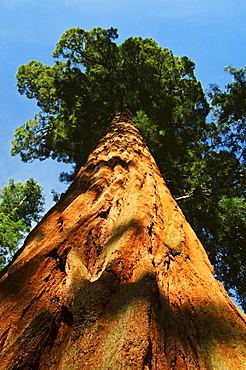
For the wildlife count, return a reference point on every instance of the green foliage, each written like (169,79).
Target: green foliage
(216,211)
(147,128)
(94,78)
(230,258)
(227,246)
(203,162)
(229,109)
(233,209)
(20,205)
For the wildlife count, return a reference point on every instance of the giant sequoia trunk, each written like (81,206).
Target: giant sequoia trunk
(114,277)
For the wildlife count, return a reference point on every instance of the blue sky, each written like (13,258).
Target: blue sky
(211,33)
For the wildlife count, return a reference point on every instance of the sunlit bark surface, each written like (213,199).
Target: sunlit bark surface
(114,277)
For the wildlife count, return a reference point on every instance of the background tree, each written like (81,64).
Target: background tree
(226,235)
(93,78)
(20,205)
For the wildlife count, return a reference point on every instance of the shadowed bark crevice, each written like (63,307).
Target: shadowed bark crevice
(60,256)
(148,358)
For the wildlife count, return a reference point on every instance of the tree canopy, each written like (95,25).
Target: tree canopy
(92,79)
(20,205)
(201,158)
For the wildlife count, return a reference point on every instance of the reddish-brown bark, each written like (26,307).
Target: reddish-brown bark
(114,277)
